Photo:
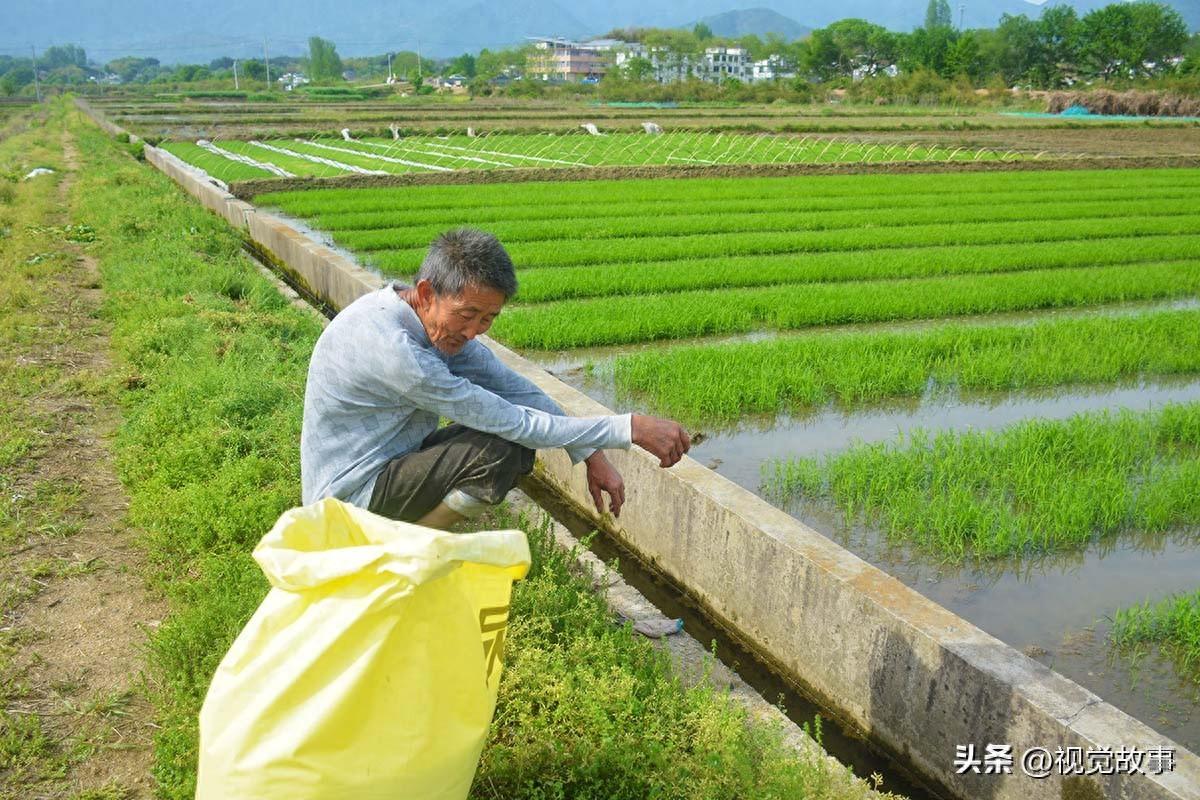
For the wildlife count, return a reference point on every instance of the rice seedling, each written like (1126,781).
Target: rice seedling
(615,320)
(721,384)
(1172,623)
(570,229)
(601,194)
(216,166)
(346,215)
(1036,486)
(545,284)
(709,245)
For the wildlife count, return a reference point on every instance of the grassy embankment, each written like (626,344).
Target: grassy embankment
(1035,486)
(209,453)
(31,506)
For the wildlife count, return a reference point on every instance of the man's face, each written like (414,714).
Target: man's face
(453,320)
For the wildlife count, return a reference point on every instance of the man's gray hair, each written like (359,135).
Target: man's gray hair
(468,257)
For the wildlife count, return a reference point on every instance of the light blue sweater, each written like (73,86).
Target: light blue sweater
(377,387)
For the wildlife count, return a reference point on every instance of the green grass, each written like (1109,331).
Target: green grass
(720,384)
(616,320)
(1173,624)
(1036,486)
(208,452)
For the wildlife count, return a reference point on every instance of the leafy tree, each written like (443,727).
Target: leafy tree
(927,48)
(491,63)
(15,79)
(702,32)
(963,57)
(70,75)
(864,45)
(66,55)
(131,69)
(1130,39)
(462,65)
(253,70)
(324,64)
(186,73)
(638,69)
(1057,51)
(937,15)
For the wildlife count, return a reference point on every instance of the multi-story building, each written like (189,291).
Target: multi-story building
(666,65)
(724,63)
(771,68)
(563,59)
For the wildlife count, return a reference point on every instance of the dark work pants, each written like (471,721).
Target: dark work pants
(455,457)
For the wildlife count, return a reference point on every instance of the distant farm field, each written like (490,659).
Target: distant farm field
(232,160)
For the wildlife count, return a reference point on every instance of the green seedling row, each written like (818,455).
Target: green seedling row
(671,248)
(598,193)
(1173,624)
(217,166)
(719,384)
(335,219)
(616,320)
(572,230)
(297,166)
(1036,486)
(322,149)
(547,284)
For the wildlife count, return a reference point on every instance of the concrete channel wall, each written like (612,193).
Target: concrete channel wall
(917,679)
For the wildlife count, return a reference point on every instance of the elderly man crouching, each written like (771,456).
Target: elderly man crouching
(396,360)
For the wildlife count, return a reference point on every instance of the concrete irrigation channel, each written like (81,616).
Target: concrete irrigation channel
(917,681)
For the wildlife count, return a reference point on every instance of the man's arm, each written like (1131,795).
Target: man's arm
(480,365)
(430,385)
(664,438)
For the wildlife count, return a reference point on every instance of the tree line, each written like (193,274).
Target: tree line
(1117,44)
(1060,48)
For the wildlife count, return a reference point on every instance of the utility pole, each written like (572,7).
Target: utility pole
(418,60)
(235,80)
(37,87)
(389,67)
(267,63)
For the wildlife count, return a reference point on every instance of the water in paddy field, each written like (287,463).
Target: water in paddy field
(1055,607)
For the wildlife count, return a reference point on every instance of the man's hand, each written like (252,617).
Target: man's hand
(603,477)
(663,437)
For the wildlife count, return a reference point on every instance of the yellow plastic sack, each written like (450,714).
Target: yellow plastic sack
(370,670)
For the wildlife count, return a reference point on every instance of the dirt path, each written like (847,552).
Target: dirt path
(75,601)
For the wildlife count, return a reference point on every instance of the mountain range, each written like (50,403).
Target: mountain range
(759,21)
(175,32)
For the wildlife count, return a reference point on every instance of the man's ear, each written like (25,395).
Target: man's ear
(424,292)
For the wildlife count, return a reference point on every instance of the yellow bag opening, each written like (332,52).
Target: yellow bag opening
(370,670)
